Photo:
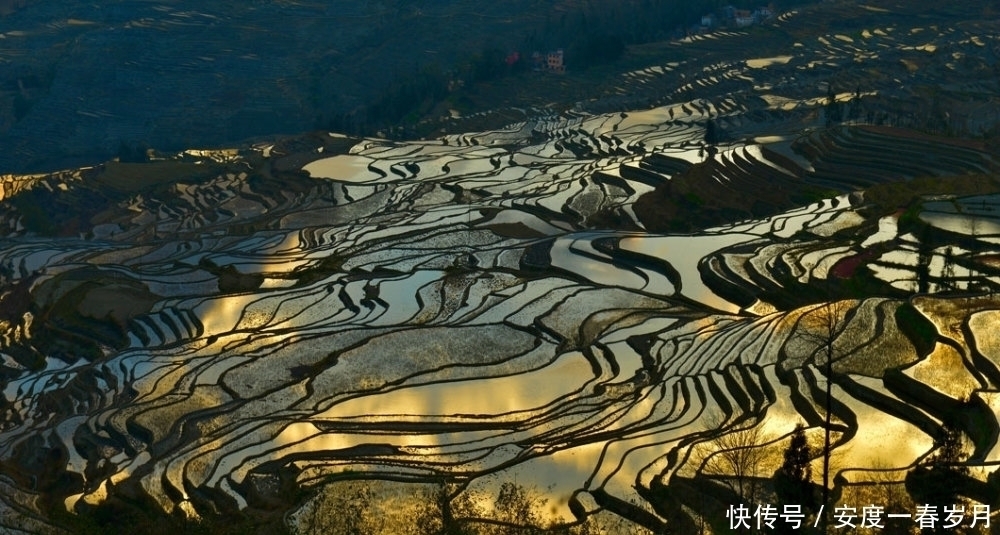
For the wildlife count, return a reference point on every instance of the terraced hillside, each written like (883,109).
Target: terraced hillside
(80,78)
(592,306)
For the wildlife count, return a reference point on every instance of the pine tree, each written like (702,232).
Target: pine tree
(711,133)
(793,480)
(833,112)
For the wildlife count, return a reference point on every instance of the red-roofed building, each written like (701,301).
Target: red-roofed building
(554,61)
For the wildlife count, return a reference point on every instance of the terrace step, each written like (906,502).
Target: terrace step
(166,327)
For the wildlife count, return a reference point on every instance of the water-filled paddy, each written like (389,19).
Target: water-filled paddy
(492,306)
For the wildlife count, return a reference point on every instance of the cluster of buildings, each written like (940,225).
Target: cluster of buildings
(553,61)
(728,16)
(739,18)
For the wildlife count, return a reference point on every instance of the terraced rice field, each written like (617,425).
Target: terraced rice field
(327,310)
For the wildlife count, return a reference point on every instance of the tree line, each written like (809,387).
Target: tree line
(592,33)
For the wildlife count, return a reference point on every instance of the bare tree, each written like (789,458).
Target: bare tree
(820,331)
(741,456)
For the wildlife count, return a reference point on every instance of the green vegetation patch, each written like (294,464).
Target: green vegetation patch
(886,198)
(132,177)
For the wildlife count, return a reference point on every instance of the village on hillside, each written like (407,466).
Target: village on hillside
(731,17)
(726,17)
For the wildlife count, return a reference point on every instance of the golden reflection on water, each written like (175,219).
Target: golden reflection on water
(306,437)
(944,370)
(882,438)
(222,314)
(992,400)
(491,397)
(984,333)
(685,253)
(760,63)
(560,470)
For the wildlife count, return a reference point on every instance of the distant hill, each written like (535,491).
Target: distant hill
(80,79)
